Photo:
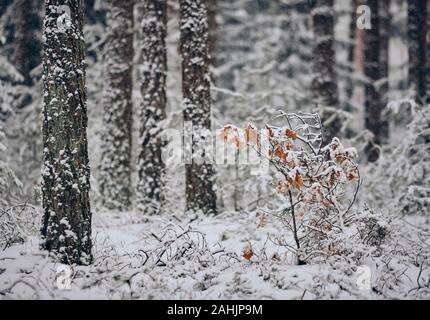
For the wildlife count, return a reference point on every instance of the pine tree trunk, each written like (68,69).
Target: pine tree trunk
(153,71)
(376,71)
(200,193)
(417,37)
(117,106)
(324,84)
(27,47)
(66,173)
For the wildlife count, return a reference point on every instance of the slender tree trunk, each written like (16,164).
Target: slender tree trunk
(117,106)
(417,37)
(324,84)
(153,72)
(200,193)
(353,37)
(27,47)
(66,173)
(212,24)
(359,51)
(376,71)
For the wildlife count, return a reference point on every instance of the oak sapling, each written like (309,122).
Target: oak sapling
(320,183)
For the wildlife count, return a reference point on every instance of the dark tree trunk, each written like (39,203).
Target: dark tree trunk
(66,173)
(324,84)
(200,193)
(26,54)
(153,61)
(212,24)
(376,71)
(417,37)
(117,105)
(351,49)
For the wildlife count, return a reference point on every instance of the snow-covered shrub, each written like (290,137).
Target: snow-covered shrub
(20,122)
(403,173)
(8,180)
(319,183)
(372,232)
(175,244)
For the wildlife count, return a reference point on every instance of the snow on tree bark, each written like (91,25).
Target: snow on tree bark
(153,70)
(117,106)
(418,51)
(199,185)
(26,53)
(66,225)
(376,72)
(324,84)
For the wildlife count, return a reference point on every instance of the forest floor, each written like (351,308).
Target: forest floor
(162,258)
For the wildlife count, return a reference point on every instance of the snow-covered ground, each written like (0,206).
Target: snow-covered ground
(161,258)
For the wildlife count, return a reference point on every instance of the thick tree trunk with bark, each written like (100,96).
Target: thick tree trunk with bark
(200,193)
(153,70)
(324,84)
(117,106)
(66,173)
(418,48)
(376,72)
(26,53)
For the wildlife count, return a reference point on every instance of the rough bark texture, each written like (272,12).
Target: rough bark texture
(324,84)
(117,106)
(26,54)
(153,69)
(376,71)
(418,50)
(200,193)
(66,173)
